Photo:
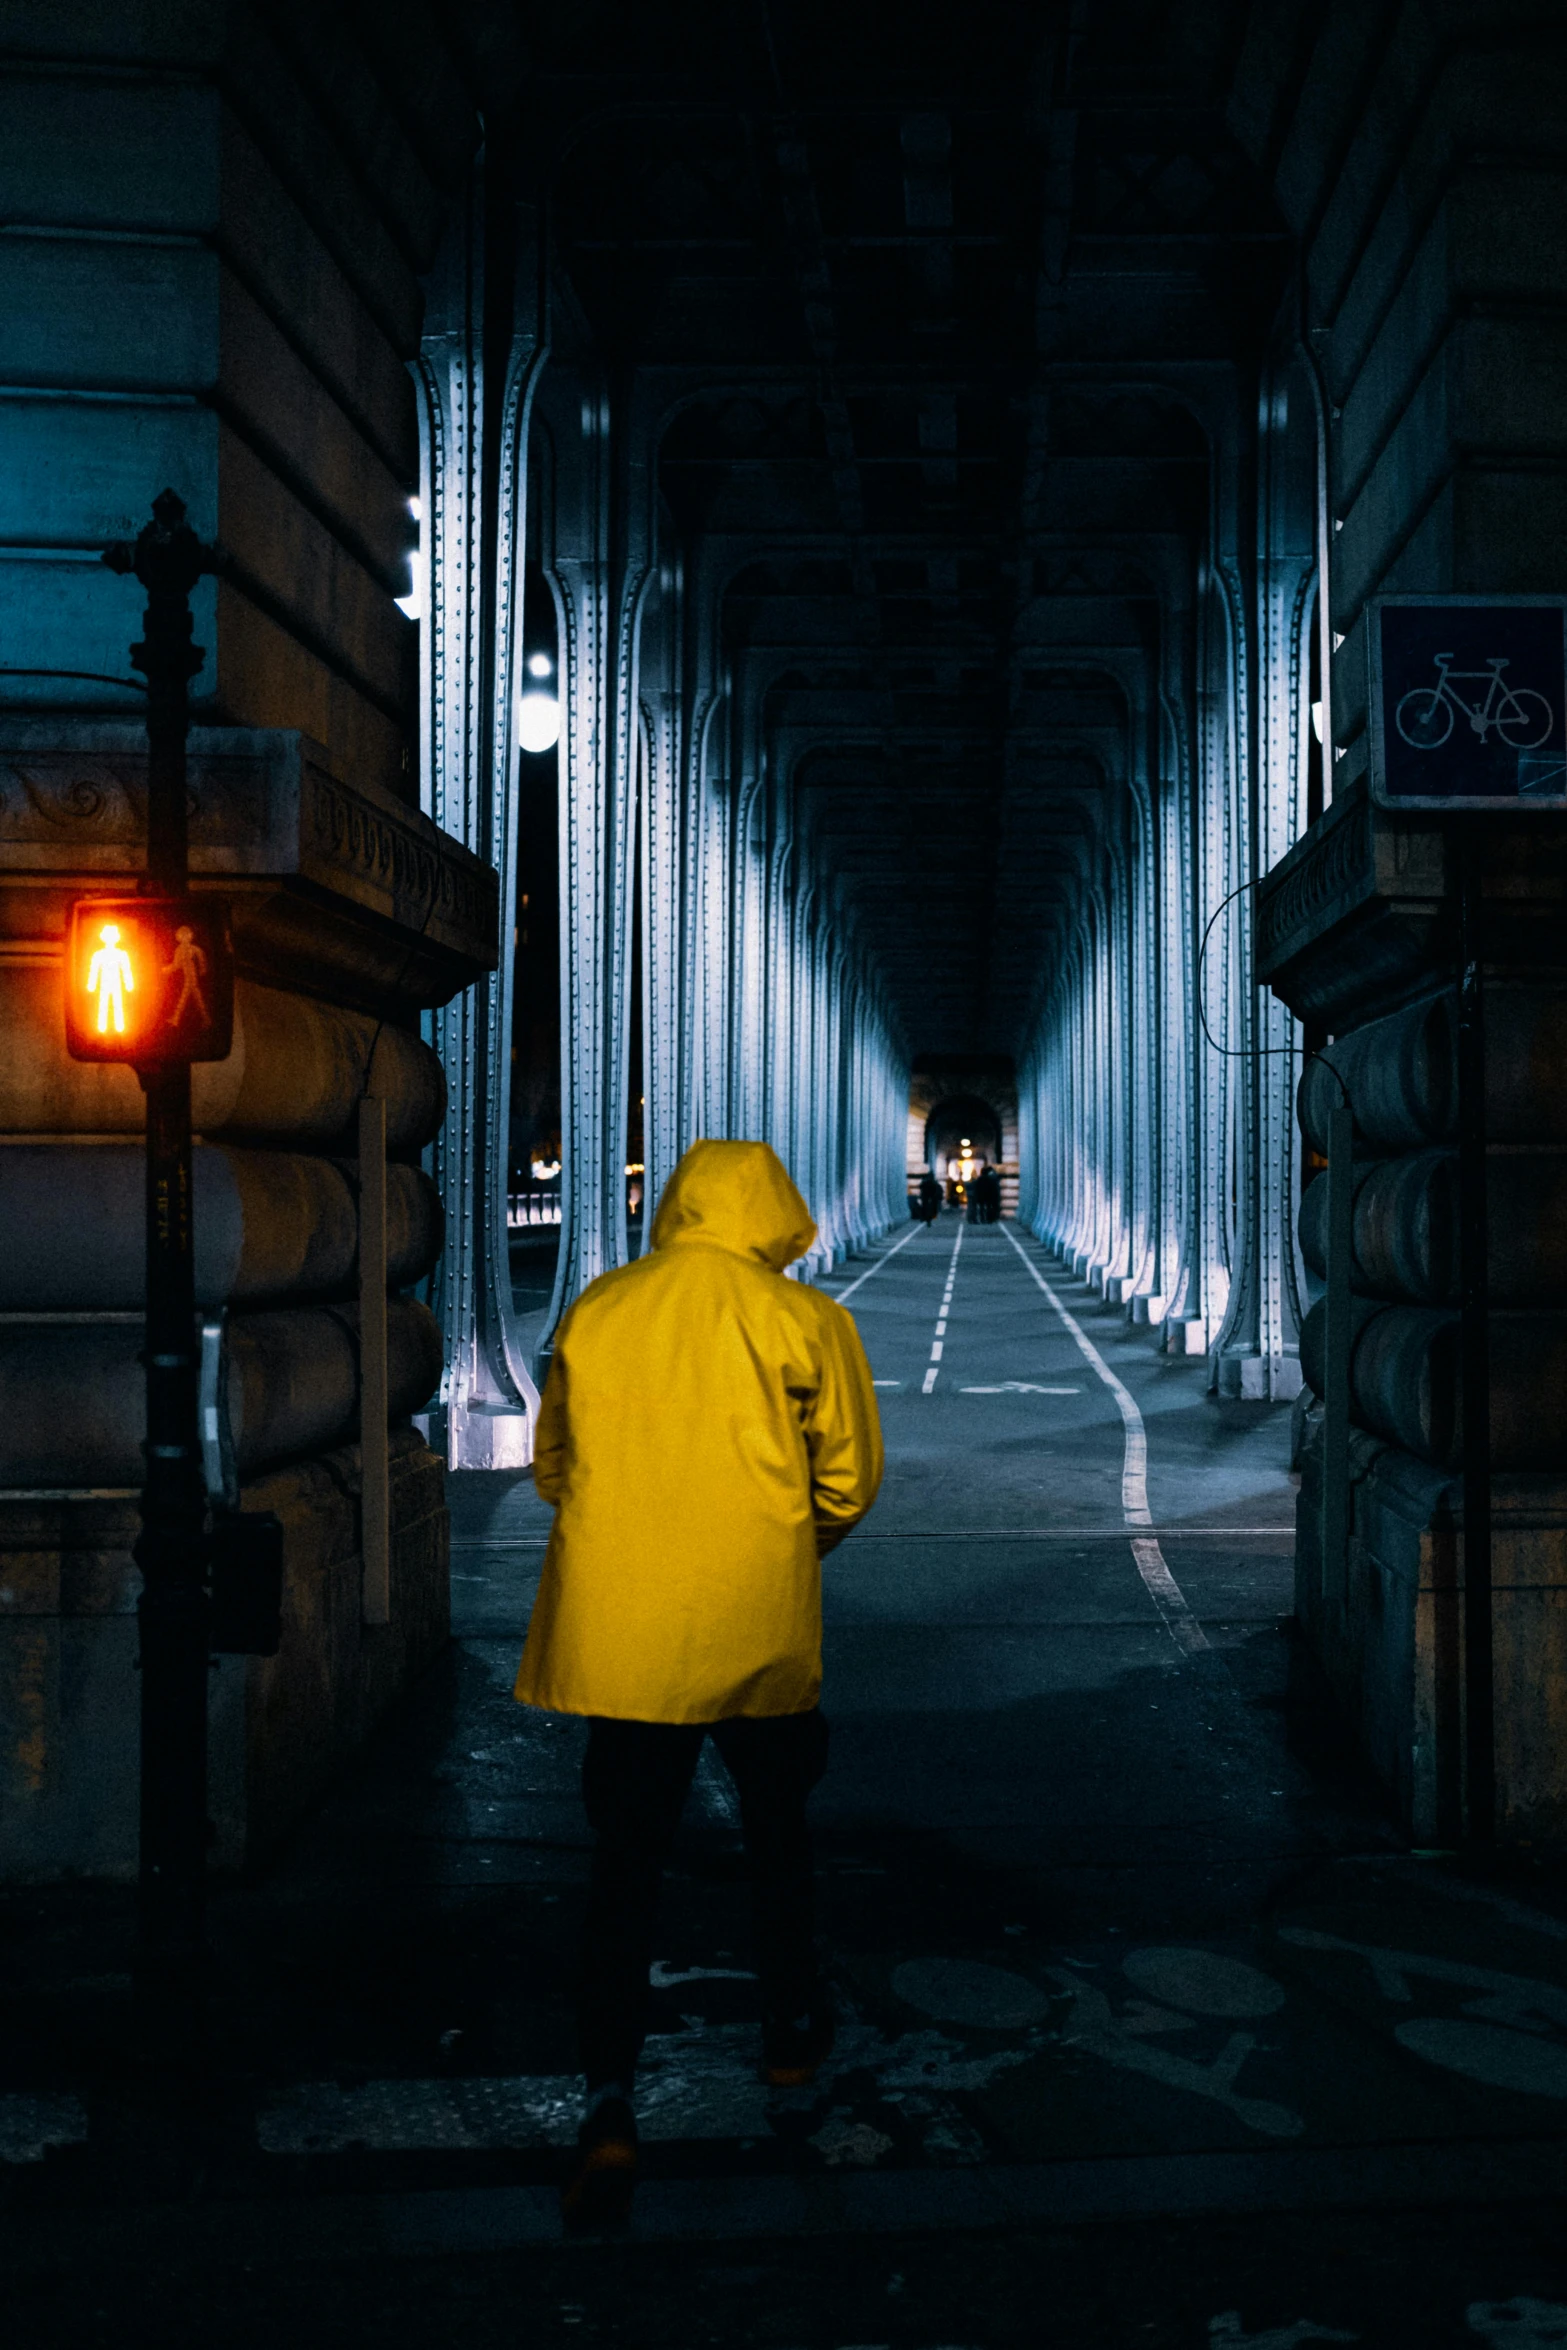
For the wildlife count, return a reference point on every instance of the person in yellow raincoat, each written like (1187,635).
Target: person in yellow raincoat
(707,1431)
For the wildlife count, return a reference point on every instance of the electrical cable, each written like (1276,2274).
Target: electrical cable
(86,676)
(1243,1052)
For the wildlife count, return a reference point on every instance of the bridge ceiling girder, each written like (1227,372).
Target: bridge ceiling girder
(951,306)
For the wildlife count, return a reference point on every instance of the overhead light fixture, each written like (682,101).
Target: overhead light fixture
(411,606)
(538,721)
(540,665)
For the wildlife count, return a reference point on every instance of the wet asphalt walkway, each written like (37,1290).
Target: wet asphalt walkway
(1153,2031)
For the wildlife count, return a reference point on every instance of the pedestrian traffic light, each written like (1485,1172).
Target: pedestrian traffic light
(149,980)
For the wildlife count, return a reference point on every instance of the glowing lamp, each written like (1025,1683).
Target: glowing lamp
(538,721)
(149,981)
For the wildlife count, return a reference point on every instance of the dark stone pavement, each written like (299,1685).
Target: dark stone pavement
(1153,2030)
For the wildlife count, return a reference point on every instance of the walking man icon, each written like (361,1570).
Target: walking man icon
(111,979)
(189,964)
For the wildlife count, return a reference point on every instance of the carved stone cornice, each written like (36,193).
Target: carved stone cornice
(1356,919)
(335,887)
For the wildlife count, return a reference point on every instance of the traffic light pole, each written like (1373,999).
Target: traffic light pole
(173,1609)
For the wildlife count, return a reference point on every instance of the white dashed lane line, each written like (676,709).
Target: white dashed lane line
(1158,1581)
(860,1279)
(939,1340)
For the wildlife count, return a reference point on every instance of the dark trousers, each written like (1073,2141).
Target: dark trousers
(635,1778)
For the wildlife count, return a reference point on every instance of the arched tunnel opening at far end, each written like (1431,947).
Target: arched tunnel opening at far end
(783,1161)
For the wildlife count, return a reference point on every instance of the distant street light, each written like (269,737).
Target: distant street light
(538,720)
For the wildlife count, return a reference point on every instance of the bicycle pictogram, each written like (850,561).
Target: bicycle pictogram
(1517,715)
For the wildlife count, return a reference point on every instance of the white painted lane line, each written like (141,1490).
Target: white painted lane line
(1167,1595)
(1019,1387)
(715,1789)
(1161,1585)
(1081,1534)
(860,1280)
(1134,1459)
(939,1340)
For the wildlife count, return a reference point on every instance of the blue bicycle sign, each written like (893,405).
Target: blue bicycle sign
(1522,718)
(1468,701)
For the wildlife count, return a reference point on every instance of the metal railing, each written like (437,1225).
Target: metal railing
(526,1209)
(538,1208)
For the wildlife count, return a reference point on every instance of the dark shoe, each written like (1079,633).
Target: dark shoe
(793,2052)
(599,2191)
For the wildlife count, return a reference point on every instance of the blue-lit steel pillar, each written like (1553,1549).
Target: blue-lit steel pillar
(1259,1349)
(709,958)
(668,892)
(477,377)
(1170,1044)
(598,559)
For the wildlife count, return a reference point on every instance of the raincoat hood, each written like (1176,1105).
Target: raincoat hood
(737,1196)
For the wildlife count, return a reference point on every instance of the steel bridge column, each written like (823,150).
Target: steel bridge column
(1207,864)
(1118,1069)
(711,965)
(666,898)
(474,437)
(1259,1350)
(599,565)
(748,1097)
(1142,1267)
(1172,1038)
(1237,1187)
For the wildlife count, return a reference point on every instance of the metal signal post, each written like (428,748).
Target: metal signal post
(173,1609)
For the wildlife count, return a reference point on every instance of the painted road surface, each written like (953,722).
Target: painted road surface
(1120,1932)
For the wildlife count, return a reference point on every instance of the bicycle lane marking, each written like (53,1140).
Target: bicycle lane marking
(860,1280)
(939,1341)
(1160,1584)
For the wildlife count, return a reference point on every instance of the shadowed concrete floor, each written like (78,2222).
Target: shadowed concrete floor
(1152,2030)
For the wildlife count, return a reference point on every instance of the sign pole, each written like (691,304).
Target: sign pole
(1340,1180)
(173,1608)
(1474,1340)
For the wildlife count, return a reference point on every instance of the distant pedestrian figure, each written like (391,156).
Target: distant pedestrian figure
(708,1430)
(984,1196)
(928,1205)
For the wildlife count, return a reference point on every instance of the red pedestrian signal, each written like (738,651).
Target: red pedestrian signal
(149,980)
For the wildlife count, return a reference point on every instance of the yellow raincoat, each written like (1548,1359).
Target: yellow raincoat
(708,1429)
